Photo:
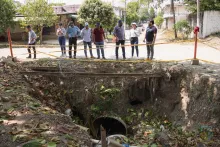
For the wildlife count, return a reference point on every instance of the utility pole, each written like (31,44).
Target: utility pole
(125,14)
(139,10)
(174,17)
(198,12)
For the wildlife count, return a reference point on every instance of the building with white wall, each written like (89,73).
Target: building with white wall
(181,13)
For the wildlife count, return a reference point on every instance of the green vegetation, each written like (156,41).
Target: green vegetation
(184,28)
(7,13)
(39,14)
(159,20)
(93,11)
(105,103)
(132,12)
(205,5)
(152,13)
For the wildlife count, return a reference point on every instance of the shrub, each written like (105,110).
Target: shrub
(184,28)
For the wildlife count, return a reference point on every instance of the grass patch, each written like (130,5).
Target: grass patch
(110,36)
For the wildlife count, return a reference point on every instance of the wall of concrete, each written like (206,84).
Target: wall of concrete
(211,23)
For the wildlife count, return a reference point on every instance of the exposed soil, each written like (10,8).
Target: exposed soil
(26,121)
(178,108)
(187,96)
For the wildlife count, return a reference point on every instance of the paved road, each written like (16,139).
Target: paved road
(172,51)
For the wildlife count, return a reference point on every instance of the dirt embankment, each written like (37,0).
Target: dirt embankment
(156,109)
(25,120)
(185,95)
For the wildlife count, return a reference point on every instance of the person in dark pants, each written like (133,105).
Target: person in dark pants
(150,38)
(31,41)
(73,32)
(119,33)
(98,39)
(61,33)
(134,34)
(86,34)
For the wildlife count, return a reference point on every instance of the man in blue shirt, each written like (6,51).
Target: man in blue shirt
(73,32)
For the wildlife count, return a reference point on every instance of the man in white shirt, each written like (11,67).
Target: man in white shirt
(86,34)
(31,41)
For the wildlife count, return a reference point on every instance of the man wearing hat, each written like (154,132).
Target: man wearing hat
(119,33)
(61,33)
(86,34)
(98,39)
(73,32)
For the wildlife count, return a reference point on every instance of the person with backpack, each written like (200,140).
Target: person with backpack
(86,34)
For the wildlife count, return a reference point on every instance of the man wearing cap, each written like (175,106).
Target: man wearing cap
(134,34)
(150,38)
(86,34)
(98,39)
(119,33)
(73,32)
(31,41)
(61,33)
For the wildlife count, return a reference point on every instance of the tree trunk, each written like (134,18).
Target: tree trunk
(174,18)
(41,34)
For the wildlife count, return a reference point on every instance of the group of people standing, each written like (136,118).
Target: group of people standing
(150,37)
(97,36)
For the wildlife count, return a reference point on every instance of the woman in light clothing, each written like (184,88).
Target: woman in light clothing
(61,33)
(134,34)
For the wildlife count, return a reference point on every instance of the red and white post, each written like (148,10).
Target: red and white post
(10,42)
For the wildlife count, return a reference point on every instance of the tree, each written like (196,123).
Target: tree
(93,11)
(39,14)
(132,12)
(205,5)
(144,14)
(7,13)
(159,20)
(152,13)
(174,17)
(183,27)
(113,24)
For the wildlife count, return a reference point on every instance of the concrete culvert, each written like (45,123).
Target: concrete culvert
(112,126)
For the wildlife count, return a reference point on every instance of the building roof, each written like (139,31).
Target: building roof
(67,9)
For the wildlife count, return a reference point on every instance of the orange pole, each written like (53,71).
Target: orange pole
(195,50)
(9,42)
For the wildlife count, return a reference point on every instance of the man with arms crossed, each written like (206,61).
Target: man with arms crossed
(119,33)
(150,38)
(98,39)
(73,32)
(86,35)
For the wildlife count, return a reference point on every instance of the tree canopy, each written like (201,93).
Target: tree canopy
(7,13)
(132,12)
(93,11)
(205,5)
(39,14)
